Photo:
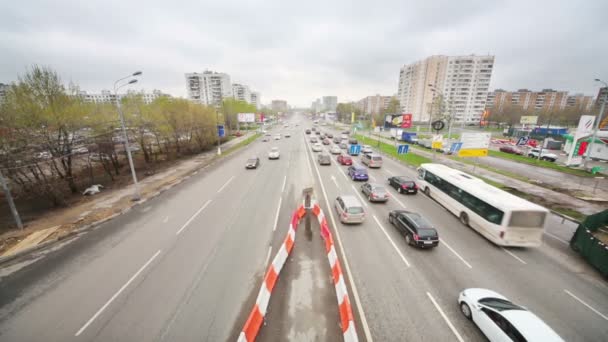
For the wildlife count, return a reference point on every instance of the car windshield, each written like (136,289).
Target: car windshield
(499,304)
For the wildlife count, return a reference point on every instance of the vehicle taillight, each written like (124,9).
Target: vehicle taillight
(416,186)
(403,186)
(416,237)
(502,235)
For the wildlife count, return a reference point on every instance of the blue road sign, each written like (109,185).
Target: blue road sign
(455,147)
(403,149)
(523,140)
(354,149)
(220,131)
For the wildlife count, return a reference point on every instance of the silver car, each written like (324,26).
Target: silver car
(349,209)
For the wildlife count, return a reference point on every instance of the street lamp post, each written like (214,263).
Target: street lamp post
(597,125)
(136,194)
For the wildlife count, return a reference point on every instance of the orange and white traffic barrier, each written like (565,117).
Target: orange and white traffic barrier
(256,317)
(346,313)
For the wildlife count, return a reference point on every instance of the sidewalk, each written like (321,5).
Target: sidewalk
(105,205)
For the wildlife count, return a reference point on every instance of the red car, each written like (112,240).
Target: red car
(511,149)
(345,160)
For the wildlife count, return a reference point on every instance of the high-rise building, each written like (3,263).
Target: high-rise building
(374,104)
(330,103)
(528,100)
(461,81)
(208,88)
(317,106)
(255,99)
(584,103)
(241,92)
(3,90)
(279,105)
(106,96)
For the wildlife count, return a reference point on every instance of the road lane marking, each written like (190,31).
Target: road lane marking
(333,178)
(445,318)
(587,305)
(283,186)
(141,269)
(343,173)
(458,255)
(359,195)
(372,177)
(268,255)
(225,184)
(513,255)
(276,217)
(398,201)
(392,242)
(308,161)
(390,173)
(166,219)
(192,217)
(556,238)
(366,330)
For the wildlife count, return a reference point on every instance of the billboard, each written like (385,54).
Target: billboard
(246,117)
(528,120)
(474,144)
(398,121)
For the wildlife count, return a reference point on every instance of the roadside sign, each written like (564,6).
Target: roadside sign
(473,152)
(530,120)
(403,149)
(474,144)
(220,131)
(437,141)
(523,141)
(354,149)
(455,147)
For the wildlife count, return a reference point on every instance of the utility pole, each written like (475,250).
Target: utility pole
(597,124)
(9,199)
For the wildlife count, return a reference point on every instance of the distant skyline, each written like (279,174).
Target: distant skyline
(302,51)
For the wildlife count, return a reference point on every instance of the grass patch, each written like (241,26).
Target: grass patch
(495,170)
(242,143)
(540,163)
(410,158)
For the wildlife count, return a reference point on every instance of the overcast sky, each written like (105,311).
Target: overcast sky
(300,50)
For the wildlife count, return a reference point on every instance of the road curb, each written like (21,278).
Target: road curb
(49,243)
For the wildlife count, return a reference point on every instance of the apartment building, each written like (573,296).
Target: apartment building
(255,99)
(461,81)
(106,96)
(241,92)
(3,90)
(539,101)
(330,103)
(317,106)
(279,105)
(584,103)
(208,88)
(374,104)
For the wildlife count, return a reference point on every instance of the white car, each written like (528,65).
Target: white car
(366,149)
(544,155)
(317,147)
(274,153)
(335,149)
(277,137)
(500,320)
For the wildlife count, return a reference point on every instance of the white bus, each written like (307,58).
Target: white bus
(501,217)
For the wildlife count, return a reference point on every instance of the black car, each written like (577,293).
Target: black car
(403,185)
(308,131)
(324,159)
(374,192)
(418,231)
(252,163)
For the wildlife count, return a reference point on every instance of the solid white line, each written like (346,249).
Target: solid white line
(372,177)
(335,182)
(513,255)
(283,186)
(458,255)
(389,171)
(361,198)
(268,255)
(276,217)
(116,294)
(166,219)
(343,173)
(307,160)
(445,318)
(398,201)
(556,238)
(225,184)
(392,242)
(366,330)
(193,216)
(587,305)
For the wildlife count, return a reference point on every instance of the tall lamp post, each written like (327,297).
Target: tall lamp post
(597,125)
(136,194)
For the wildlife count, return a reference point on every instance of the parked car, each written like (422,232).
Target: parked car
(344,160)
(365,149)
(326,141)
(356,172)
(274,153)
(511,150)
(374,192)
(335,150)
(252,163)
(372,160)
(317,147)
(417,231)
(349,209)
(324,159)
(543,156)
(403,185)
(501,320)
(307,131)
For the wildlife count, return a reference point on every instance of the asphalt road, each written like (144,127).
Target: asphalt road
(410,294)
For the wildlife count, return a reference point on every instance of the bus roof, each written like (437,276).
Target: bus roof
(484,191)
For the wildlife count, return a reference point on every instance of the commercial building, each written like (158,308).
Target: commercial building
(208,88)
(106,96)
(539,101)
(374,104)
(461,81)
(279,105)
(3,90)
(330,103)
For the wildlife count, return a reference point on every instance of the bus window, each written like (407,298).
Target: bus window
(527,219)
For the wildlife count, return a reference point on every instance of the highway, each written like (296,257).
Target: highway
(187,265)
